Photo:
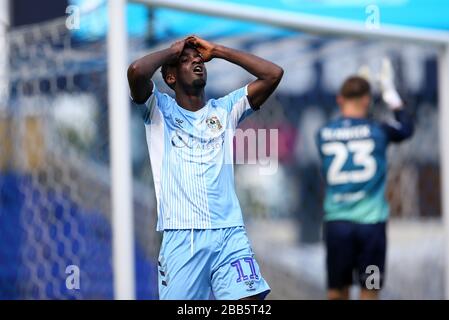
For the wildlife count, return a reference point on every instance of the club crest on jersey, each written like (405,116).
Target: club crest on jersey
(214,124)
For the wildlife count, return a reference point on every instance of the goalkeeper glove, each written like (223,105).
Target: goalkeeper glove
(389,93)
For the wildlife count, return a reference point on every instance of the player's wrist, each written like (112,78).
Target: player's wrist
(171,54)
(218,51)
(392,99)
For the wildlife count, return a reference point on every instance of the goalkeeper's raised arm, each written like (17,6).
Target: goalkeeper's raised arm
(403,127)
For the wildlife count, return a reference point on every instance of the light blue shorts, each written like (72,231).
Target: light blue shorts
(195,263)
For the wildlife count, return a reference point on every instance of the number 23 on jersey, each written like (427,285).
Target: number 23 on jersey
(365,165)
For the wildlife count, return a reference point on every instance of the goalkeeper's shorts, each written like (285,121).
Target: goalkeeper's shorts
(200,264)
(355,251)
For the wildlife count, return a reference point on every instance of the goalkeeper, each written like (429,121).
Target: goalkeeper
(354,164)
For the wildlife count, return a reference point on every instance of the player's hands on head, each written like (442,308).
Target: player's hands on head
(205,48)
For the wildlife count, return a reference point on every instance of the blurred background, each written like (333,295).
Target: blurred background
(55,184)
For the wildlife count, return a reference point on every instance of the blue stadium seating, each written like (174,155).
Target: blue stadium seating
(95,257)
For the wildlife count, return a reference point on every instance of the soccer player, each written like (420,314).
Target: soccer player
(353,152)
(205,247)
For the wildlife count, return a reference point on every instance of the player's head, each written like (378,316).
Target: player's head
(354,97)
(187,73)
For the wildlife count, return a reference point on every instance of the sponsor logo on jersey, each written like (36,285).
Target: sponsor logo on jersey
(182,139)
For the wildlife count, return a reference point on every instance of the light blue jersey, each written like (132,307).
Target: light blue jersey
(191,157)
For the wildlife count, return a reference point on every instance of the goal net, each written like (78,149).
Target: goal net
(55,207)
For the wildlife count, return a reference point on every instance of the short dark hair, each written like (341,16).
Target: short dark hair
(167,65)
(355,87)
(164,71)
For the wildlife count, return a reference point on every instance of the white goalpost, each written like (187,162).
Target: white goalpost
(124,279)
(443,80)
(119,120)
(4,25)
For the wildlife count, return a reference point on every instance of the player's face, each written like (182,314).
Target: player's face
(191,70)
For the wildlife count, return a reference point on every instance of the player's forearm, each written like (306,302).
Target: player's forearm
(142,70)
(147,66)
(406,123)
(402,129)
(260,68)
(268,74)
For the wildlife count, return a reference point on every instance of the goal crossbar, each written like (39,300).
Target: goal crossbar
(302,22)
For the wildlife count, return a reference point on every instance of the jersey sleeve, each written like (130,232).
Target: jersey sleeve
(156,101)
(318,141)
(401,128)
(237,105)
